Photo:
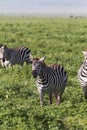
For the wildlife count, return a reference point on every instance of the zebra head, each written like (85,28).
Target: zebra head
(85,56)
(5,52)
(37,66)
(1,51)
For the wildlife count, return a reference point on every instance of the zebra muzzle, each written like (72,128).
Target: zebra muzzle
(34,73)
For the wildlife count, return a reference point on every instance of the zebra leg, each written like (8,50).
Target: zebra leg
(2,63)
(58,98)
(41,96)
(41,99)
(21,66)
(6,63)
(85,91)
(50,97)
(28,62)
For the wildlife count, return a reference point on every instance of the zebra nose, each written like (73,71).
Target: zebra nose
(34,73)
(30,62)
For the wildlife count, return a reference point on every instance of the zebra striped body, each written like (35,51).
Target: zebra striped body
(51,79)
(82,74)
(14,56)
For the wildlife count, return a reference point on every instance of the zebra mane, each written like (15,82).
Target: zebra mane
(37,59)
(7,54)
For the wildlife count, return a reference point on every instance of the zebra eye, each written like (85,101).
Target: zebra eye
(38,67)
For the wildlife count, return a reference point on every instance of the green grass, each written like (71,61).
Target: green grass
(62,41)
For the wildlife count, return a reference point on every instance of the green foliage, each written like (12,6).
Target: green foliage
(62,41)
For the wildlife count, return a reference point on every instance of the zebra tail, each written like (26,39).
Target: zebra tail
(85,92)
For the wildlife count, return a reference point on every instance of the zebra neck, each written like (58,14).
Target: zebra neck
(42,79)
(8,56)
(85,64)
(42,76)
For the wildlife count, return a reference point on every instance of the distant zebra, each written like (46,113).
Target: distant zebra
(51,79)
(14,56)
(82,74)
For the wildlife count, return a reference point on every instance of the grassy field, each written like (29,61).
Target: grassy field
(62,41)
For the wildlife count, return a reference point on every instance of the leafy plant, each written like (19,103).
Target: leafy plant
(62,41)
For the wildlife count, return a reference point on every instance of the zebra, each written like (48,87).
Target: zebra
(82,75)
(12,56)
(51,79)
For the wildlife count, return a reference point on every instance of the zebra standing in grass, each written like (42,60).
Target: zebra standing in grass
(82,74)
(12,56)
(52,79)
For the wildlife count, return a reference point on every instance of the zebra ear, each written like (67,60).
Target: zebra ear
(31,58)
(1,45)
(4,47)
(85,53)
(42,59)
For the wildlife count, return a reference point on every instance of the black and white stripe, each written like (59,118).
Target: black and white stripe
(14,56)
(82,74)
(52,79)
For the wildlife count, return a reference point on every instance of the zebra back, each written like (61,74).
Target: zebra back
(60,70)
